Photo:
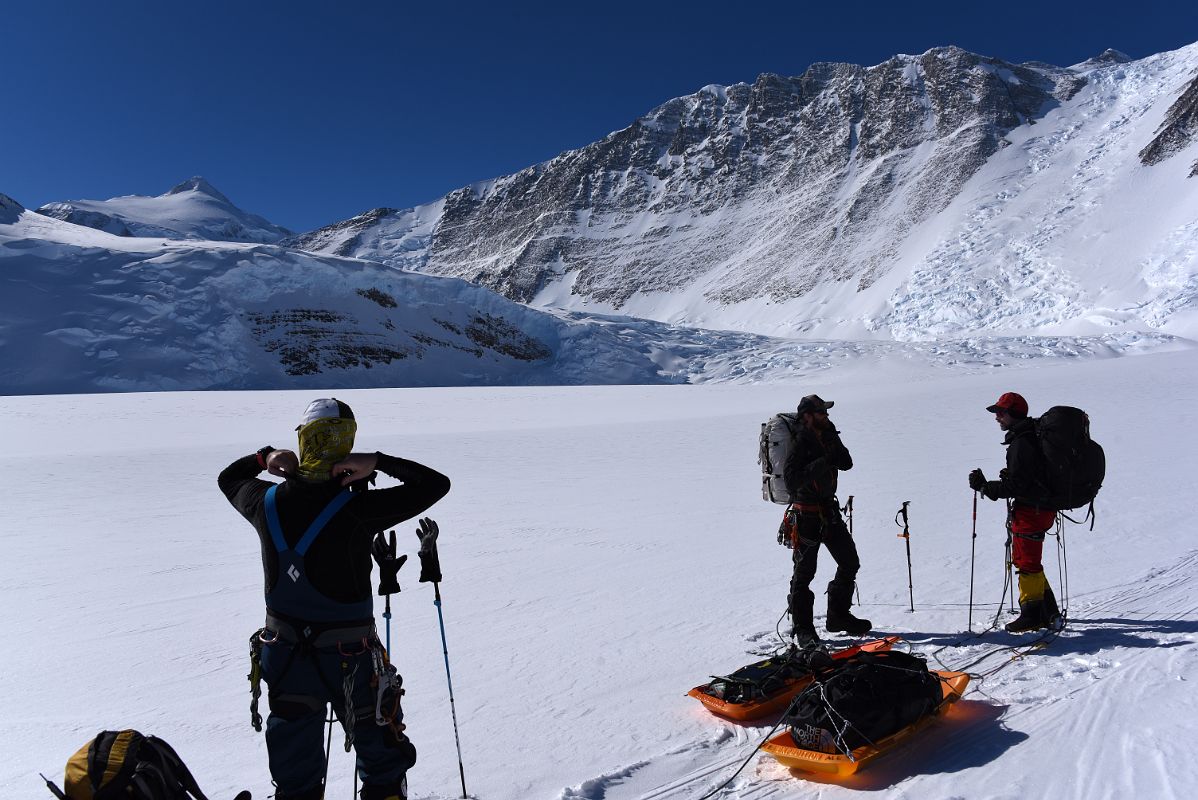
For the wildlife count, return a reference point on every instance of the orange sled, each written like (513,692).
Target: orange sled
(782,746)
(787,681)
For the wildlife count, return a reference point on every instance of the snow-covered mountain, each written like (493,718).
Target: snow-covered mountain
(936,195)
(192,210)
(82,310)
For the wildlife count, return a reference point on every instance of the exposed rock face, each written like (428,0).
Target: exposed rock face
(340,238)
(1178,131)
(758,190)
(9,210)
(89,219)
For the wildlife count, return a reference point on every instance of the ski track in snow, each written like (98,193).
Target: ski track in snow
(1053,692)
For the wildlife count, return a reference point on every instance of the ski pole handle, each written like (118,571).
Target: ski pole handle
(902,512)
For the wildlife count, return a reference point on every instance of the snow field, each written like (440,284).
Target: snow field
(605,549)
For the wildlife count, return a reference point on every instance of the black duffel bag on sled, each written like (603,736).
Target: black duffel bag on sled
(862,700)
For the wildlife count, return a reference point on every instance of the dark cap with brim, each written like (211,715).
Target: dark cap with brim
(814,403)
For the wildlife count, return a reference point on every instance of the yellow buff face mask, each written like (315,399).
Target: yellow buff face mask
(322,443)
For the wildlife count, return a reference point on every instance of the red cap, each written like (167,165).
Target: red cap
(1010,402)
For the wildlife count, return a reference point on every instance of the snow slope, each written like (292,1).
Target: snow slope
(194,209)
(605,549)
(82,310)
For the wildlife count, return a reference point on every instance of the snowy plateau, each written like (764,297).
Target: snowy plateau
(588,348)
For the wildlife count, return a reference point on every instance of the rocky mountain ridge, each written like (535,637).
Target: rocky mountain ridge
(760,206)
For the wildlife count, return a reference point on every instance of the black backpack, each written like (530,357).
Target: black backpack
(125,765)
(863,699)
(1074,464)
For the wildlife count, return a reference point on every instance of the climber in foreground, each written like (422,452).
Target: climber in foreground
(319,644)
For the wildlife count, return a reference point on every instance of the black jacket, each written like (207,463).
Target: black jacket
(810,471)
(339,561)
(1023,478)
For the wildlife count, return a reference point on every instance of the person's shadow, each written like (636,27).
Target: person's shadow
(1080,637)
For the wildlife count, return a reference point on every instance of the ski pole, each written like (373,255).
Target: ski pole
(387,616)
(906,536)
(382,549)
(972,549)
(449,680)
(848,510)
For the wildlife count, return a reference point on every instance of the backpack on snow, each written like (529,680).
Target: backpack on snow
(774,447)
(1074,464)
(124,765)
(863,699)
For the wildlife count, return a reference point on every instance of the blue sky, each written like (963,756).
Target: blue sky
(311,112)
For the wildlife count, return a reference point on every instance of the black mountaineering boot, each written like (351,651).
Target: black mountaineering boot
(397,790)
(1031,617)
(840,619)
(801,607)
(315,793)
(806,639)
(1052,614)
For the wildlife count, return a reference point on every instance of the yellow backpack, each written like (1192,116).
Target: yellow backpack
(125,765)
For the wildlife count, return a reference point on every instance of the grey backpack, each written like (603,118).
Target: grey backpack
(774,448)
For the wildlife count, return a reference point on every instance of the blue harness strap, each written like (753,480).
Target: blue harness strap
(272,521)
(322,519)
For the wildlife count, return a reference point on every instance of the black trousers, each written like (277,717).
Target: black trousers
(811,529)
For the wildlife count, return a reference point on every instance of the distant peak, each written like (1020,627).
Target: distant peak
(198,184)
(1108,56)
(1112,56)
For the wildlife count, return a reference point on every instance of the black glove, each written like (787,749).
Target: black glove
(787,530)
(977,481)
(430,565)
(383,550)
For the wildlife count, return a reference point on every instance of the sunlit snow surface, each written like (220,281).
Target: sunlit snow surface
(604,550)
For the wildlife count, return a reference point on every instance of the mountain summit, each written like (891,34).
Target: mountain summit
(198,184)
(194,209)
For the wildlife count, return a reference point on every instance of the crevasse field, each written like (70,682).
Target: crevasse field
(604,550)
